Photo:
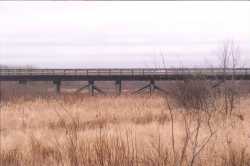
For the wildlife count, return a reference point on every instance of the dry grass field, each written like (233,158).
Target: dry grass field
(126,130)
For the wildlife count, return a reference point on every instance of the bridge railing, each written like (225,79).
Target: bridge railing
(134,71)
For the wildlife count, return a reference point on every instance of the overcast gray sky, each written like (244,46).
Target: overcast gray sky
(121,34)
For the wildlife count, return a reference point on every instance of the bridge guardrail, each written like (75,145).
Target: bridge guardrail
(122,72)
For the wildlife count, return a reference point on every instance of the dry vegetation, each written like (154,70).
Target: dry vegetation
(194,125)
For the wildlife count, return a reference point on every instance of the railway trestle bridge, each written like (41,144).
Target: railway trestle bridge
(118,75)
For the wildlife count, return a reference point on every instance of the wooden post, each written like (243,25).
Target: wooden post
(58,85)
(118,85)
(91,88)
(151,87)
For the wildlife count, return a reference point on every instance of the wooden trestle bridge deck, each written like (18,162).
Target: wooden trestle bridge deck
(119,75)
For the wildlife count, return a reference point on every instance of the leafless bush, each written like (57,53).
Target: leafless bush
(192,144)
(194,94)
(229,90)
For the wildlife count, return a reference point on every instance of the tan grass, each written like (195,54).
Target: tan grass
(127,130)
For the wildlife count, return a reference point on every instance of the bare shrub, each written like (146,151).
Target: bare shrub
(198,100)
(192,145)
(194,94)
(230,96)
(229,59)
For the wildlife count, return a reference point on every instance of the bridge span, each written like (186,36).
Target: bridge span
(121,74)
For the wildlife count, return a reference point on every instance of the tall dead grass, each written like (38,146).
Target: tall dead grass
(126,130)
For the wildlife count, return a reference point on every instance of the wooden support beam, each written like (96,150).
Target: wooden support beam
(151,86)
(58,86)
(118,87)
(91,87)
(141,89)
(80,89)
(98,90)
